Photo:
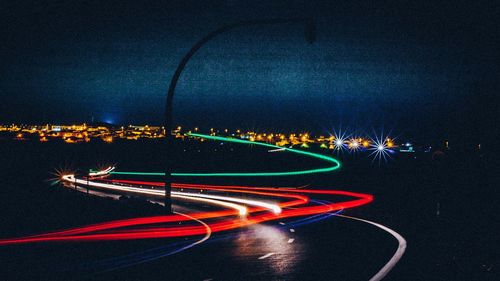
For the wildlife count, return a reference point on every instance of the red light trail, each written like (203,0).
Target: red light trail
(151,227)
(246,205)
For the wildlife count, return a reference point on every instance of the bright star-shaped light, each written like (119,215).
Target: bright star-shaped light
(381,148)
(339,141)
(354,144)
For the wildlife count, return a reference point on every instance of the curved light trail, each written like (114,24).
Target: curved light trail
(275,208)
(103,172)
(173,248)
(267,204)
(336,164)
(224,219)
(241,209)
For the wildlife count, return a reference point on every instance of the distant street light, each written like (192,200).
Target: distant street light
(310,35)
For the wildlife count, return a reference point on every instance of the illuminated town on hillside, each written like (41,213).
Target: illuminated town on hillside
(80,133)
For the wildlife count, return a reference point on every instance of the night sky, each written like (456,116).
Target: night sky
(429,69)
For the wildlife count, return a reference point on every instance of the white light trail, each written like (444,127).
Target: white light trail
(266,256)
(103,172)
(241,209)
(273,207)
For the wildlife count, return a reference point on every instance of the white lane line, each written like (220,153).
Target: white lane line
(292,230)
(266,256)
(205,238)
(290,240)
(397,255)
(282,223)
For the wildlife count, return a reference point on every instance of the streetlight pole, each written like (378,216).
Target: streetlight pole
(310,34)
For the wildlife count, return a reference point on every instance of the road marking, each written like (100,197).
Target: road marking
(205,238)
(291,240)
(397,255)
(282,223)
(292,230)
(266,256)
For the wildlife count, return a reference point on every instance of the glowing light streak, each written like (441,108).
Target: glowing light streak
(235,189)
(146,228)
(242,210)
(266,256)
(152,254)
(331,160)
(114,229)
(276,150)
(102,173)
(275,208)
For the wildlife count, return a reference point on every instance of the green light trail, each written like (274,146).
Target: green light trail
(251,174)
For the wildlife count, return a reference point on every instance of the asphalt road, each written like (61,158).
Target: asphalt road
(323,246)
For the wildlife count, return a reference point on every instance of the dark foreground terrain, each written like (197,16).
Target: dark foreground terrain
(445,205)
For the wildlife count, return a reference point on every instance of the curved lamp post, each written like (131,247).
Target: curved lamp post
(310,34)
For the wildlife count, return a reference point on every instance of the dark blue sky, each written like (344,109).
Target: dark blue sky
(406,66)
